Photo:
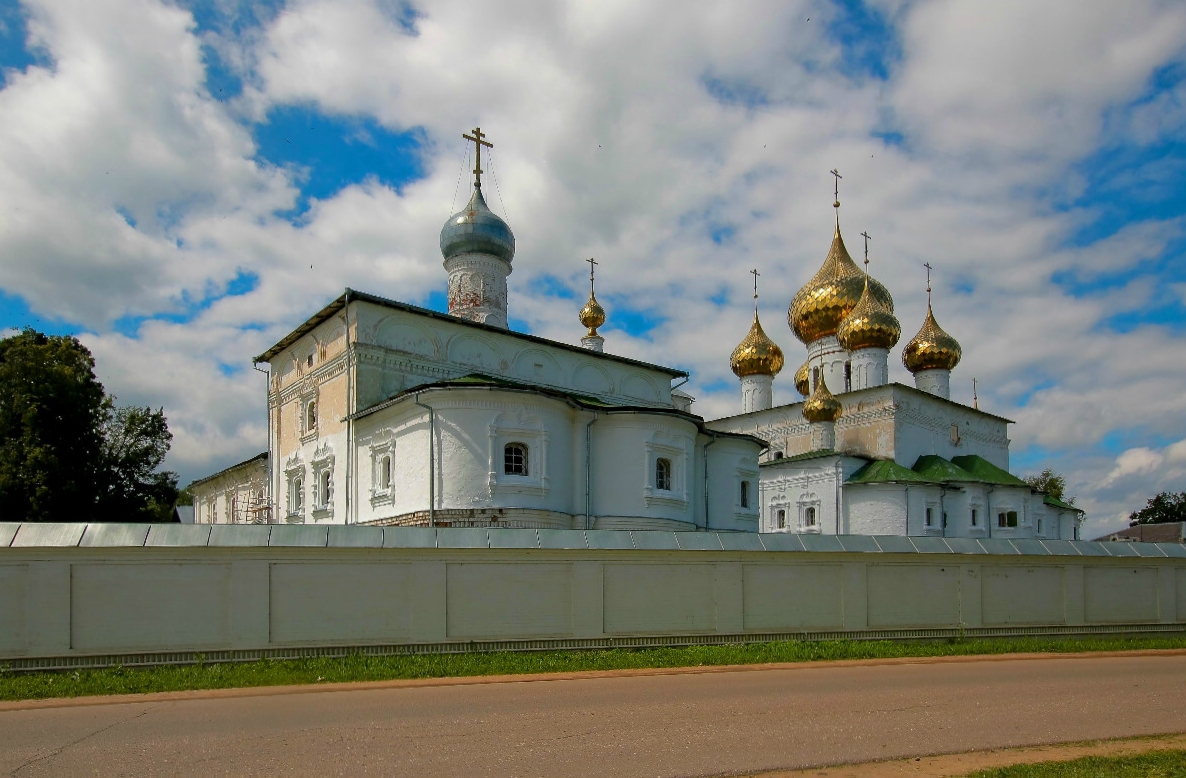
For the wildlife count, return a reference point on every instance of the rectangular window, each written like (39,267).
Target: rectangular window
(745,494)
(975,518)
(930,517)
(1007,519)
(514,459)
(782,519)
(663,474)
(848,376)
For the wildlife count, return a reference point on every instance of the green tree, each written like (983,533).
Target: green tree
(135,442)
(66,453)
(1162,509)
(52,410)
(1052,483)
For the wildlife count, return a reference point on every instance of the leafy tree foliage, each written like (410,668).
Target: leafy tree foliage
(1164,508)
(66,452)
(52,410)
(1052,483)
(135,442)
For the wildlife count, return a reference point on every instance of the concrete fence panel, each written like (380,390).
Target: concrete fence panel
(784,598)
(1023,595)
(99,594)
(1119,595)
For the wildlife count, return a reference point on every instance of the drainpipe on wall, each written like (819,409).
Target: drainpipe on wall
(350,405)
(837,497)
(908,509)
(271,450)
(988,509)
(432,502)
(706,445)
(589,471)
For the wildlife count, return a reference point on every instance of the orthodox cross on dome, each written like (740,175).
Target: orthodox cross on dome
(867,238)
(477,138)
(592,264)
(927,265)
(975,399)
(755,274)
(836,194)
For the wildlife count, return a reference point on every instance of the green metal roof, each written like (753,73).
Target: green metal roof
(936,468)
(886,471)
(1057,503)
(825,452)
(986,471)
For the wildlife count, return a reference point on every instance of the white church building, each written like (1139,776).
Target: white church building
(385,413)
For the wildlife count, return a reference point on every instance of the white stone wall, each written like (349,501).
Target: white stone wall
(399,350)
(887,422)
(799,485)
(757,393)
(473,426)
(826,355)
(233,497)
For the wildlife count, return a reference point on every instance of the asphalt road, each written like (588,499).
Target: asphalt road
(660,725)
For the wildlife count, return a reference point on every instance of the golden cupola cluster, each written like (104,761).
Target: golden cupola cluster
(756,354)
(824,302)
(931,348)
(803,379)
(822,406)
(870,324)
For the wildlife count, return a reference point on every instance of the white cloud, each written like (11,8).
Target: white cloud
(609,142)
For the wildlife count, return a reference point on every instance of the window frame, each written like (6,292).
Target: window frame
(522,469)
(663,479)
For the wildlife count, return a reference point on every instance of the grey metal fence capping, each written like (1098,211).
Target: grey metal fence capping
(38,535)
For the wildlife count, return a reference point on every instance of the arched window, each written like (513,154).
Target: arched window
(663,474)
(745,494)
(326,488)
(777,455)
(385,472)
(814,378)
(311,416)
(514,459)
(848,376)
(809,516)
(298,495)
(782,518)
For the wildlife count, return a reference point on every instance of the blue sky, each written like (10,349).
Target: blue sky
(277,152)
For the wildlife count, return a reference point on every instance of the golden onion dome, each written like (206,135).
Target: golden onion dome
(931,348)
(868,325)
(818,309)
(803,379)
(822,406)
(757,354)
(592,316)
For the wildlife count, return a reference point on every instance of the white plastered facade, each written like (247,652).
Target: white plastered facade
(592,429)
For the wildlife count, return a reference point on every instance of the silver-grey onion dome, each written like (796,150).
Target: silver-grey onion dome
(476,229)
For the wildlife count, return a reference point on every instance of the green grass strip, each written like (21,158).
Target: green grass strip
(359,667)
(1154,764)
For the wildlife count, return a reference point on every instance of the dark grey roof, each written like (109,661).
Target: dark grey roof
(225,470)
(351,294)
(478,381)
